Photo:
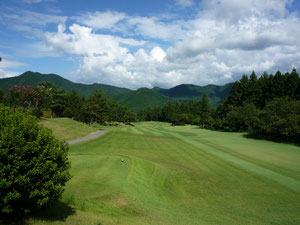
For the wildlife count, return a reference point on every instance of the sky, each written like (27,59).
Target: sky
(138,43)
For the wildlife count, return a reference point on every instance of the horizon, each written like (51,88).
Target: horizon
(140,44)
(133,89)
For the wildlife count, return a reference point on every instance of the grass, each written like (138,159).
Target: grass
(67,129)
(181,175)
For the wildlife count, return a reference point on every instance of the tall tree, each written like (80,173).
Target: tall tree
(205,112)
(95,107)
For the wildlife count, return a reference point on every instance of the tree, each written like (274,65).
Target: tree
(74,103)
(95,108)
(205,112)
(33,164)
(23,96)
(280,119)
(2,96)
(241,118)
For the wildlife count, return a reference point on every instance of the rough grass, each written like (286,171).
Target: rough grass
(181,175)
(67,129)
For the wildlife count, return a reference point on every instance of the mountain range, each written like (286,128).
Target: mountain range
(134,99)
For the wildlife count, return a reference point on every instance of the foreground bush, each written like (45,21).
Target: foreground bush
(33,164)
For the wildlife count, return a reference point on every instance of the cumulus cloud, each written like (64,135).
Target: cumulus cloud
(146,26)
(226,39)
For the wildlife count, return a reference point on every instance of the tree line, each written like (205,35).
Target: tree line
(46,99)
(266,107)
(195,112)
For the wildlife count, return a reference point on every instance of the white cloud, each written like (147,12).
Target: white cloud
(185,3)
(6,74)
(150,27)
(100,20)
(225,40)
(158,54)
(31,24)
(8,64)
(155,28)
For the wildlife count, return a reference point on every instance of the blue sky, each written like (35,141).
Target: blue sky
(136,43)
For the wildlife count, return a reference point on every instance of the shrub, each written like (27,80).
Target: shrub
(33,164)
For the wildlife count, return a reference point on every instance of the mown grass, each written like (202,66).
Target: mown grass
(181,175)
(67,129)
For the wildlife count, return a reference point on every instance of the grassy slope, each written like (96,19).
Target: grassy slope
(67,129)
(182,175)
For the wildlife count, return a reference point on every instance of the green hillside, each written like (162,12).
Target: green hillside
(144,98)
(188,92)
(31,78)
(136,100)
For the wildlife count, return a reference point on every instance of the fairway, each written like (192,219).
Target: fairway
(67,129)
(181,175)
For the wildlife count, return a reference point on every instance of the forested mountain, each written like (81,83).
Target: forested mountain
(188,92)
(33,78)
(136,100)
(143,98)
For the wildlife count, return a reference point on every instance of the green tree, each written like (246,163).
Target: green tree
(242,118)
(279,119)
(205,112)
(96,107)
(2,96)
(33,164)
(74,103)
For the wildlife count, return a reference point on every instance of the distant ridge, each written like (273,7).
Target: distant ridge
(144,98)
(135,100)
(188,92)
(33,78)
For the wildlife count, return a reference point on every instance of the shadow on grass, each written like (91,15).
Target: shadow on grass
(59,211)
(274,139)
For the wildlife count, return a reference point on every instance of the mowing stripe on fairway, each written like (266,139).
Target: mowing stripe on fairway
(135,130)
(146,131)
(284,180)
(154,131)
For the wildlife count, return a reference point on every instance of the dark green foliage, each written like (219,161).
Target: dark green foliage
(261,91)
(198,113)
(188,92)
(2,96)
(73,105)
(205,112)
(33,164)
(135,100)
(58,102)
(95,108)
(280,118)
(143,98)
(267,107)
(31,78)
(240,118)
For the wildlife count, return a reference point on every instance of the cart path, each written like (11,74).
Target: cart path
(91,136)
